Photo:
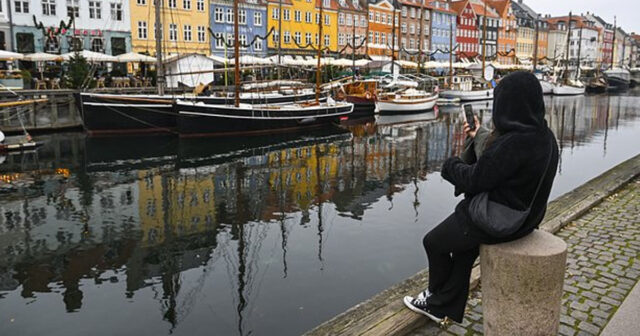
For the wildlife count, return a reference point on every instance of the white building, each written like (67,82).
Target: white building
(5,28)
(97,25)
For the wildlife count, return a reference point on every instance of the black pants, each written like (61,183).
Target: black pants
(451,254)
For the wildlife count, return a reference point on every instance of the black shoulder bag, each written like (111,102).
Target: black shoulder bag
(497,219)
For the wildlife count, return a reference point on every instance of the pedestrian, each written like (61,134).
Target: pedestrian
(512,171)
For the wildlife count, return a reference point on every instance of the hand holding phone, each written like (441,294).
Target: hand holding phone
(469,116)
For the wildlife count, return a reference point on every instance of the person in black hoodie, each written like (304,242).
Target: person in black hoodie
(510,169)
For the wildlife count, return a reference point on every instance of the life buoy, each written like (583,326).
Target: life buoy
(367,95)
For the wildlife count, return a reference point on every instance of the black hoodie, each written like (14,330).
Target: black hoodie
(511,166)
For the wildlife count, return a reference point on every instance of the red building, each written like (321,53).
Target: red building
(467,32)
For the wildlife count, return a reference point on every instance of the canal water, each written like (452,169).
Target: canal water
(270,236)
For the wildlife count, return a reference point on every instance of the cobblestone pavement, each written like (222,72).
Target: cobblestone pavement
(603,265)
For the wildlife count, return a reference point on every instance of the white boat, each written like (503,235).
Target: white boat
(618,78)
(569,88)
(464,89)
(408,100)
(547,87)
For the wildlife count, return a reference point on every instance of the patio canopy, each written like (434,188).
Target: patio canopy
(42,57)
(91,56)
(135,58)
(10,56)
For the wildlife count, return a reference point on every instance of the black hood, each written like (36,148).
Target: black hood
(518,104)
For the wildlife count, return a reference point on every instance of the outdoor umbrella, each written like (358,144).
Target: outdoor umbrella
(133,57)
(40,58)
(91,56)
(10,56)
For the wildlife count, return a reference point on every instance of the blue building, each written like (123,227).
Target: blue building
(442,21)
(252,21)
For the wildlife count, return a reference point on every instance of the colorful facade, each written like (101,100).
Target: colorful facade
(380,37)
(352,27)
(252,26)
(414,14)
(96,26)
(488,36)
(184,26)
(506,32)
(583,41)
(443,29)
(467,31)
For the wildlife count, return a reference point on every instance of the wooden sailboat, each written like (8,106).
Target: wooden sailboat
(201,119)
(409,99)
(466,87)
(568,86)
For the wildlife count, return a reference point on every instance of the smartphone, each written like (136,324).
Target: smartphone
(469,116)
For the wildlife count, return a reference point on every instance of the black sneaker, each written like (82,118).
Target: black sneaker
(419,305)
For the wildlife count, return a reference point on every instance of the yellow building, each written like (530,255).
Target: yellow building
(191,205)
(300,25)
(184,26)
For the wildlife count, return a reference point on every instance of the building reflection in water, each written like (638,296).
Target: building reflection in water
(77,210)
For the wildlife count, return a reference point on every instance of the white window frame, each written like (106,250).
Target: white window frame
(257,19)
(186,32)
(142,30)
(173,32)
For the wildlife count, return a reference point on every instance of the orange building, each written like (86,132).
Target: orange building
(507,31)
(379,39)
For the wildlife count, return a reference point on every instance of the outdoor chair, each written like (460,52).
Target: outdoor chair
(41,84)
(54,84)
(100,83)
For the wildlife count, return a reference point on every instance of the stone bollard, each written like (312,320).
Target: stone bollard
(522,285)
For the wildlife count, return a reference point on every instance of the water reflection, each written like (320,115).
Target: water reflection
(228,235)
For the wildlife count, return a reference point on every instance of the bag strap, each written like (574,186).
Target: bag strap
(543,174)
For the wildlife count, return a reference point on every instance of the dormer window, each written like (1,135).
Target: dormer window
(356,4)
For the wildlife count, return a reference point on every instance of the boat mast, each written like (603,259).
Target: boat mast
(393,42)
(421,39)
(579,49)
(279,39)
(160,80)
(451,50)
(566,56)
(613,45)
(353,42)
(484,37)
(535,46)
(366,37)
(236,51)
(319,68)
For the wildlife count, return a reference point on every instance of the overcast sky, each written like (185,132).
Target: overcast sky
(627,11)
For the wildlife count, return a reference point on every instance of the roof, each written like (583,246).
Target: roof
(333,4)
(413,3)
(479,9)
(348,5)
(501,6)
(459,6)
(520,5)
(433,6)
(579,20)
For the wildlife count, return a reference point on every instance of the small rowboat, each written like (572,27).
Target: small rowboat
(409,100)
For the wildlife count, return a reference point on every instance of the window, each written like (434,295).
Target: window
(142,30)
(378,17)
(286,14)
(307,17)
(118,46)
(412,29)
(341,39)
(116,11)
(307,38)
(404,11)
(173,32)
(297,16)
(287,37)
(275,38)
(341,19)
(275,13)
(257,46)
(49,7)
(219,40)
(219,14)
(73,8)
(52,45)
(317,19)
(229,12)
(97,45)
(413,13)
(327,40)
(297,37)
(242,40)
(404,27)
(383,38)
(141,2)
(187,32)
(327,20)
(22,6)
(172,3)
(242,17)
(202,35)
(257,19)
(349,20)
(371,16)
(186,4)
(326,4)
(370,37)
(95,11)
(200,5)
